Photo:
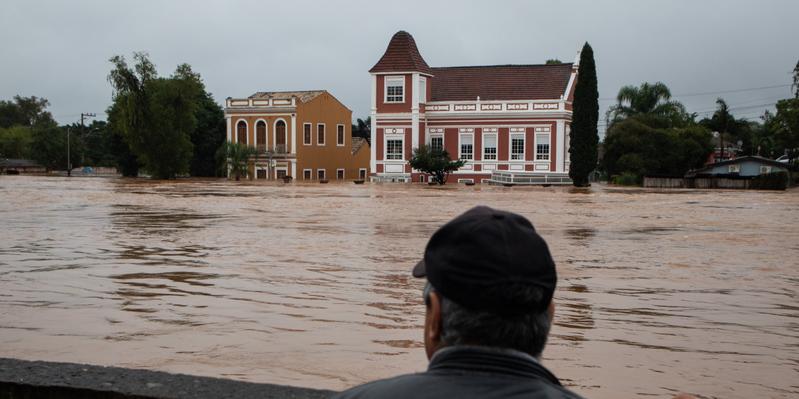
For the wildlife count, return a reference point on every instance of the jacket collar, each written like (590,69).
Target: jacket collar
(490,360)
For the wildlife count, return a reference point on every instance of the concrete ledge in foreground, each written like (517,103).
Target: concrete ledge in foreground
(21,379)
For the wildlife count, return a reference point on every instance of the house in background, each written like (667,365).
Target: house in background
(303,134)
(510,123)
(748,166)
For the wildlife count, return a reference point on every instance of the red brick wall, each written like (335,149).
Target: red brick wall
(503,137)
(451,142)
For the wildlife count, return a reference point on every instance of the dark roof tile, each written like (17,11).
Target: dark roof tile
(500,82)
(401,56)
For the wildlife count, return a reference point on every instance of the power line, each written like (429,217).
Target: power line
(717,92)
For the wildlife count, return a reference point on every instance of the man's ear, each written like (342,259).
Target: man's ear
(432,325)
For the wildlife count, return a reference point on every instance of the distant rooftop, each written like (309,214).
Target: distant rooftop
(302,96)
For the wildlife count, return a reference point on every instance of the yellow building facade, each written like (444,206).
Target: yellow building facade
(303,134)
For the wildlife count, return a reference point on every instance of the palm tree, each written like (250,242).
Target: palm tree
(234,158)
(650,101)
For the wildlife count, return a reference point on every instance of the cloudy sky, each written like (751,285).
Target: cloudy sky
(701,49)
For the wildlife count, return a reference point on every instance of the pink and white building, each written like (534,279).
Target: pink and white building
(510,123)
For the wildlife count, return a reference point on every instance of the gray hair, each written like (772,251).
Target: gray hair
(524,332)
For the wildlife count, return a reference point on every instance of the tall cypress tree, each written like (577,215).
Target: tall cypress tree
(583,139)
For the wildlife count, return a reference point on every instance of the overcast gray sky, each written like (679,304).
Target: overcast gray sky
(60,49)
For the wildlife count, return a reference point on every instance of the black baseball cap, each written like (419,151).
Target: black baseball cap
(475,258)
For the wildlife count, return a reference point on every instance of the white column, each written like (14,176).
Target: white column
(414,112)
(294,134)
(373,130)
(560,135)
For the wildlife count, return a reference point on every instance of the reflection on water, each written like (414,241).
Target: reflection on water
(309,285)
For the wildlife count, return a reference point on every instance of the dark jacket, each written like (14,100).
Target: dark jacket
(469,372)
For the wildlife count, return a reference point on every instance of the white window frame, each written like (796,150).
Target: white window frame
(437,136)
(549,146)
(393,79)
(734,168)
(324,134)
(496,146)
(310,173)
(422,89)
(460,146)
(402,148)
(765,169)
(324,174)
(343,174)
(524,146)
(310,126)
(365,174)
(343,135)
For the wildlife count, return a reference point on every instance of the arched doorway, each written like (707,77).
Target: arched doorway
(241,132)
(280,136)
(260,135)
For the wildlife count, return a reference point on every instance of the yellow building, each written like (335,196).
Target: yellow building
(303,134)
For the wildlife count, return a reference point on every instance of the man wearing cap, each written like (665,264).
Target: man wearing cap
(490,280)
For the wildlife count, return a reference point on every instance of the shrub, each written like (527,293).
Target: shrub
(627,179)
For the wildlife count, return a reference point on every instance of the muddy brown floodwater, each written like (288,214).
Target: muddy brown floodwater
(309,285)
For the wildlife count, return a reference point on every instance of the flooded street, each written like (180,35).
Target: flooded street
(309,285)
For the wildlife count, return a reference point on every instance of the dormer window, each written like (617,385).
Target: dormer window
(395,89)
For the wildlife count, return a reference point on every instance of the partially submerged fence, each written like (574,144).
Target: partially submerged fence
(770,181)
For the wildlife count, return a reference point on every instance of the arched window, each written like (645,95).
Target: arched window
(241,132)
(260,134)
(280,136)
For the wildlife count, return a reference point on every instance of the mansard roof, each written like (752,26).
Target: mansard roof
(500,82)
(401,56)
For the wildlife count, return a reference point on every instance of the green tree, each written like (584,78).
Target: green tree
(362,128)
(49,147)
(207,137)
(15,142)
(583,139)
(436,163)
(25,111)
(651,103)
(96,139)
(633,147)
(233,159)
(125,160)
(796,80)
(553,61)
(156,115)
(785,126)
